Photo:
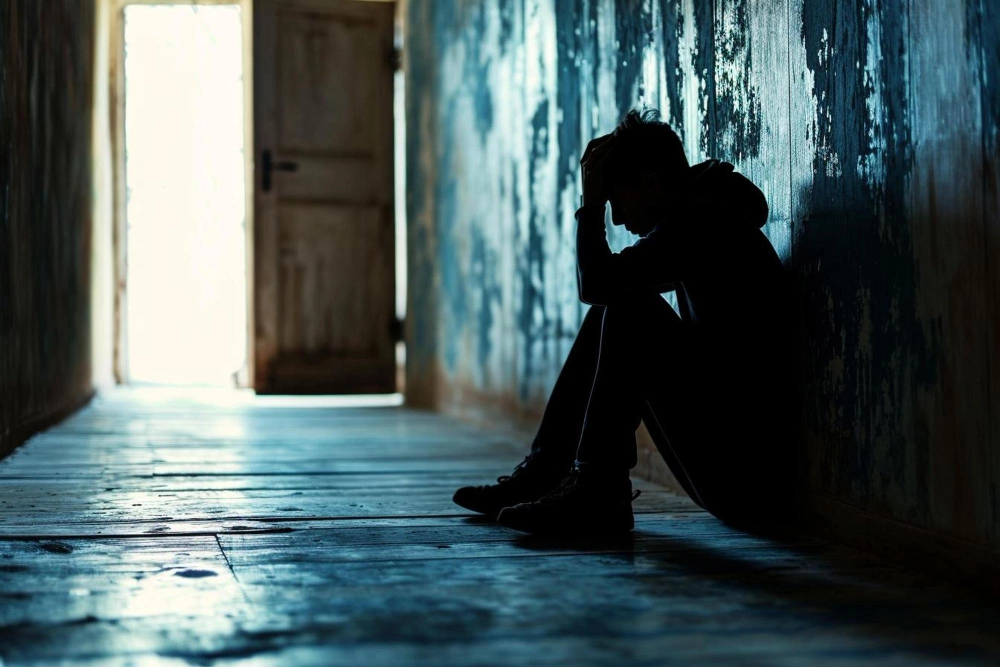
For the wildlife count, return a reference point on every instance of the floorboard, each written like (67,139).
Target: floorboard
(163,527)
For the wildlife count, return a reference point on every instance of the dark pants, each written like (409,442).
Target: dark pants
(638,361)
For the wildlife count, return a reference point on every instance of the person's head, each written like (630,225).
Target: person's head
(647,171)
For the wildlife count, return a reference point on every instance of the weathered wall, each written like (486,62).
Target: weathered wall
(871,125)
(46,91)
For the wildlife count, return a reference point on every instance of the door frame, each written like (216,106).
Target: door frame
(116,124)
(119,225)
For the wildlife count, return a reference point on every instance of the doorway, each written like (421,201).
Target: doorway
(257,241)
(184,313)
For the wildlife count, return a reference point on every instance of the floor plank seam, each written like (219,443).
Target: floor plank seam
(225,557)
(36,537)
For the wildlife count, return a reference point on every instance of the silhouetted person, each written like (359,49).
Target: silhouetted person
(710,383)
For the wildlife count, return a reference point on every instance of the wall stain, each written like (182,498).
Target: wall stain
(860,222)
(737,105)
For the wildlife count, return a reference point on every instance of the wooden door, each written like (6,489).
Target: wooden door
(324,275)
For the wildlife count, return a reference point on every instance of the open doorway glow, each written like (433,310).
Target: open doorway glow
(186,298)
(399,168)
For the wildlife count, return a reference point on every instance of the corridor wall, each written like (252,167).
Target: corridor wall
(871,126)
(46,92)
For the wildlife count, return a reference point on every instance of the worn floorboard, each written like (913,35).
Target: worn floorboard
(164,528)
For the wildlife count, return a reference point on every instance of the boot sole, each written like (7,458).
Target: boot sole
(491,513)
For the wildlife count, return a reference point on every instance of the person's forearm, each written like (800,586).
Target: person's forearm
(592,254)
(650,265)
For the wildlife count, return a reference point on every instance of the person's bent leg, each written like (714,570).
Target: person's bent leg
(597,497)
(554,446)
(562,422)
(634,337)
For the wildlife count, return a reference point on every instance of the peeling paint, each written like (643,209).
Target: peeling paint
(872,127)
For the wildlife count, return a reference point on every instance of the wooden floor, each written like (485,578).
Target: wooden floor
(156,528)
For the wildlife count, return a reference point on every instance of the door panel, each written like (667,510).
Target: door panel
(324,274)
(326,100)
(323,251)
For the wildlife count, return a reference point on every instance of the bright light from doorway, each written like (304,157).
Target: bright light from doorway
(186,295)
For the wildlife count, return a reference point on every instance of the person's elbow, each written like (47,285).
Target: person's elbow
(593,297)
(601,289)
(592,291)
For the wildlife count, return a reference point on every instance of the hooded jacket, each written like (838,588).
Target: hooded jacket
(718,261)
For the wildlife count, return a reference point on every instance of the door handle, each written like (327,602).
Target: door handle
(269,166)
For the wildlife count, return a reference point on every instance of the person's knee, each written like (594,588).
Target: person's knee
(641,322)
(624,326)
(594,314)
(635,309)
(590,327)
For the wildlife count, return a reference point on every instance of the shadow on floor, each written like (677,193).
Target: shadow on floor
(827,589)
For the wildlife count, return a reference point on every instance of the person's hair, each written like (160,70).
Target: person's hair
(643,142)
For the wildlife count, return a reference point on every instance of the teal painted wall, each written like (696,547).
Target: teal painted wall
(871,126)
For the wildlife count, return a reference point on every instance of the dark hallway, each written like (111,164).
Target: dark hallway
(285,285)
(156,525)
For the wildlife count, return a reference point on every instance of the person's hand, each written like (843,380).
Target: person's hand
(593,163)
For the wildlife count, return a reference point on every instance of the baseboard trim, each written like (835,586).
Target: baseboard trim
(19,434)
(947,557)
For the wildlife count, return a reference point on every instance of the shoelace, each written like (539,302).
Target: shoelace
(564,489)
(520,466)
(569,484)
(565,486)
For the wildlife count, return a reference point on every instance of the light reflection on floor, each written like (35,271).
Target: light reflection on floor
(223,398)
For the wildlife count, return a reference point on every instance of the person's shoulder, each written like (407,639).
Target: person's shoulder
(727,193)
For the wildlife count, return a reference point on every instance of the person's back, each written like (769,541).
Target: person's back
(736,295)
(737,300)
(738,260)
